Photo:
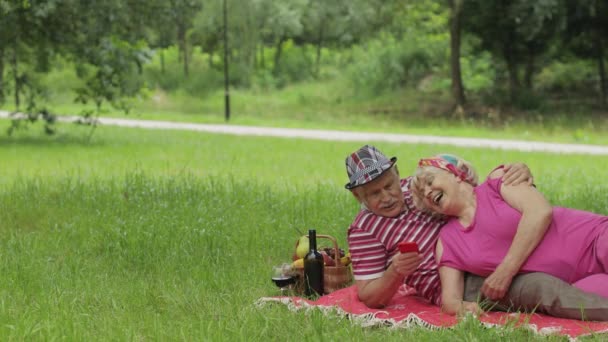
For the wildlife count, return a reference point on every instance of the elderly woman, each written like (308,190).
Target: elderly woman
(485,219)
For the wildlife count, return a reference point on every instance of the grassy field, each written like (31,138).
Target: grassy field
(166,235)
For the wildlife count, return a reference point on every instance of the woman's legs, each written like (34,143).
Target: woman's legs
(601,250)
(596,283)
(543,293)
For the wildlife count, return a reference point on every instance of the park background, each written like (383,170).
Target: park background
(118,233)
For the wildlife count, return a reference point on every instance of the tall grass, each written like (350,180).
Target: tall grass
(165,258)
(165,235)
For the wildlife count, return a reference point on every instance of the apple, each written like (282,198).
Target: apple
(327,259)
(302,247)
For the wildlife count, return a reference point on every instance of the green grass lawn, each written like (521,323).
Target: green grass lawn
(169,235)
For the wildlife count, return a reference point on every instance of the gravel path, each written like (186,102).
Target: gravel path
(528,146)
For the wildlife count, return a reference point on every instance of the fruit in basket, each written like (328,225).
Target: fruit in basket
(299,263)
(327,259)
(332,252)
(345,260)
(302,247)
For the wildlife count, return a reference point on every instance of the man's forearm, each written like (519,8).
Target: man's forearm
(378,292)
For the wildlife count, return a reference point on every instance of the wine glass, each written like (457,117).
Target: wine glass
(283,277)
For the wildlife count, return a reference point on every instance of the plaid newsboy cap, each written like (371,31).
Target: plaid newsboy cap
(365,165)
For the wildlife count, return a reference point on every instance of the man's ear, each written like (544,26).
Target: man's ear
(396,169)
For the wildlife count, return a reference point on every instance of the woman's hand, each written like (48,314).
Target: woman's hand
(517,173)
(497,284)
(470,307)
(461,308)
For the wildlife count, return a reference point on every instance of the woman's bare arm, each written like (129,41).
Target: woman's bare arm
(536,217)
(452,288)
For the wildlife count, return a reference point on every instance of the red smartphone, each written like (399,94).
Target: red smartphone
(406,247)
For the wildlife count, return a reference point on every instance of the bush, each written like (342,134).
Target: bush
(201,79)
(295,65)
(524,99)
(263,79)
(529,100)
(477,72)
(568,77)
(387,64)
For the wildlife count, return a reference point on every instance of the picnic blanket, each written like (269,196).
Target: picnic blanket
(408,310)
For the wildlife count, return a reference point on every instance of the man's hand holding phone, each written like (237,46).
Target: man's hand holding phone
(408,260)
(408,247)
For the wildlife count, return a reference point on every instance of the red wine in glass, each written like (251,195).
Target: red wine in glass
(284,281)
(283,277)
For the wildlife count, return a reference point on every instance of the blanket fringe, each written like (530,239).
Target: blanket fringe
(364,320)
(412,320)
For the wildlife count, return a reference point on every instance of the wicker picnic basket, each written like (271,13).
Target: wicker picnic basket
(334,277)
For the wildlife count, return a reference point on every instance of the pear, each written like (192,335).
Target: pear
(302,247)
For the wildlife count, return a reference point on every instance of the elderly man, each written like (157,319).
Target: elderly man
(388,217)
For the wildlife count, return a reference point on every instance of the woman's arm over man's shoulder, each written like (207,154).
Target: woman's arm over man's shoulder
(536,215)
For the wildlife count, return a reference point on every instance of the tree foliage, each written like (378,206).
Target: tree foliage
(105,40)
(388,43)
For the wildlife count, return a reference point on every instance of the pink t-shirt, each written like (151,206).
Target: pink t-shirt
(566,251)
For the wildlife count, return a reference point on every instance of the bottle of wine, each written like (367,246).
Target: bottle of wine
(313,267)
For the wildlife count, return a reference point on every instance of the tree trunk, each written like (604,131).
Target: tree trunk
(277,54)
(162,61)
(530,67)
(455,30)
(1,74)
(512,67)
(183,46)
(319,47)
(262,60)
(601,69)
(255,57)
(16,78)
(513,79)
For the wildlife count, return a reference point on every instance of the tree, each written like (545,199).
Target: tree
(514,32)
(208,28)
(284,21)
(455,31)
(158,27)
(586,35)
(27,45)
(105,40)
(326,23)
(183,13)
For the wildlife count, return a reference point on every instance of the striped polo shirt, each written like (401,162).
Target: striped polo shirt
(372,242)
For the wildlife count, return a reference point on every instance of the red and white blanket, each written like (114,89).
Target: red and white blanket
(407,310)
